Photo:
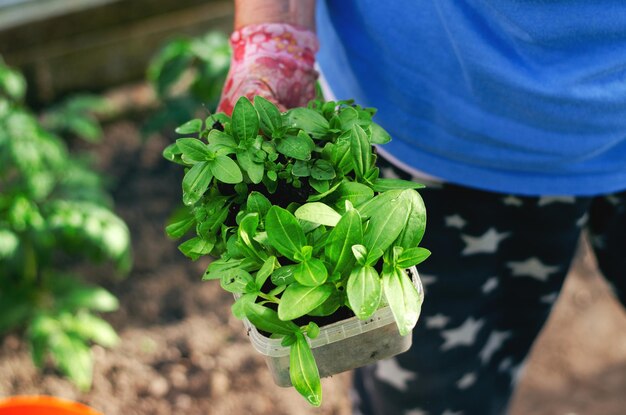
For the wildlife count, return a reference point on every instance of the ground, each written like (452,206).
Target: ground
(182,351)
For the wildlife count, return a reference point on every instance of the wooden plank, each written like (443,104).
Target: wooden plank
(17,13)
(111,53)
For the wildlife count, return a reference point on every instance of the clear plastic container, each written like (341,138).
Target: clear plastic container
(340,346)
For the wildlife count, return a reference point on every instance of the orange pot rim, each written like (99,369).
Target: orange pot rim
(43,405)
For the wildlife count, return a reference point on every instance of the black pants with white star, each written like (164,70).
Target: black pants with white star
(498,263)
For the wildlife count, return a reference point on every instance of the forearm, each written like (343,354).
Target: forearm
(296,12)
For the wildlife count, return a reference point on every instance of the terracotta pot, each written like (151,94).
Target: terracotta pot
(43,405)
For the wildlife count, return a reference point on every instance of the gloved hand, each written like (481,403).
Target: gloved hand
(273,60)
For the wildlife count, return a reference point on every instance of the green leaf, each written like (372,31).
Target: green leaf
(284,232)
(411,257)
(348,117)
(92,298)
(195,182)
(73,357)
(308,120)
(356,193)
(226,170)
(311,273)
(297,147)
(193,150)
(8,243)
(267,320)
(216,269)
(403,299)
(220,138)
(329,306)
(312,330)
(257,202)
(247,231)
(245,120)
(179,229)
(378,134)
(298,300)
(338,250)
(364,291)
(301,169)
(266,270)
(315,198)
(284,275)
(90,327)
(190,127)
(384,226)
(196,247)
(322,170)
(320,186)
(303,371)
(271,121)
(254,170)
(238,307)
(415,227)
(12,82)
(360,150)
(173,154)
(382,185)
(236,281)
(318,212)
(360,254)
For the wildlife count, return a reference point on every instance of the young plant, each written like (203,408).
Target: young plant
(185,74)
(292,206)
(50,202)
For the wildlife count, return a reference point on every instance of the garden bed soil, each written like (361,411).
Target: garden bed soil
(183,352)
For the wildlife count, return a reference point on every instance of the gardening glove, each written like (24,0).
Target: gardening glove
(272,60)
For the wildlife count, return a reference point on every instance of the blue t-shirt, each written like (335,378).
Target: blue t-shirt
(526,97)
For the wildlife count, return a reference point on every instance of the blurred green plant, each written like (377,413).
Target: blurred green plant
(78,115)
(51,202)
(187,73)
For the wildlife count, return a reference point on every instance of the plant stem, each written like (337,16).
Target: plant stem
(270,298)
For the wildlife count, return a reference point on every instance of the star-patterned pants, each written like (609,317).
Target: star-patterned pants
(498,263)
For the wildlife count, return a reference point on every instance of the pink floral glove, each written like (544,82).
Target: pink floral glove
(273,60)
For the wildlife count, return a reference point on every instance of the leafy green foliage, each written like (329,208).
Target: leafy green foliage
(51,202)
(299,219)
(187,73)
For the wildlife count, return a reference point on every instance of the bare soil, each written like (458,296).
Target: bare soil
(183,352)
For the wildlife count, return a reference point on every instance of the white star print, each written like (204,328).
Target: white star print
(516,373)
(455,221)
(487,243)
(598,241)
(463,335)
(427,279)
(582,221)
(533,268)
(494,342)
(437,321)
(490,285)
(512,201)
(614,200)
(505,364)
(546,200)
(466,381)
(389,371)
(550,298)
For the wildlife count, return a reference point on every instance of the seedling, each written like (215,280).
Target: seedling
(292,206)
(52,204)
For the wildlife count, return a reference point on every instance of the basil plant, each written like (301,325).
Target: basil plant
(292,207)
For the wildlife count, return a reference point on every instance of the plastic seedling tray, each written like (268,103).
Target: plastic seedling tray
(340,346)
